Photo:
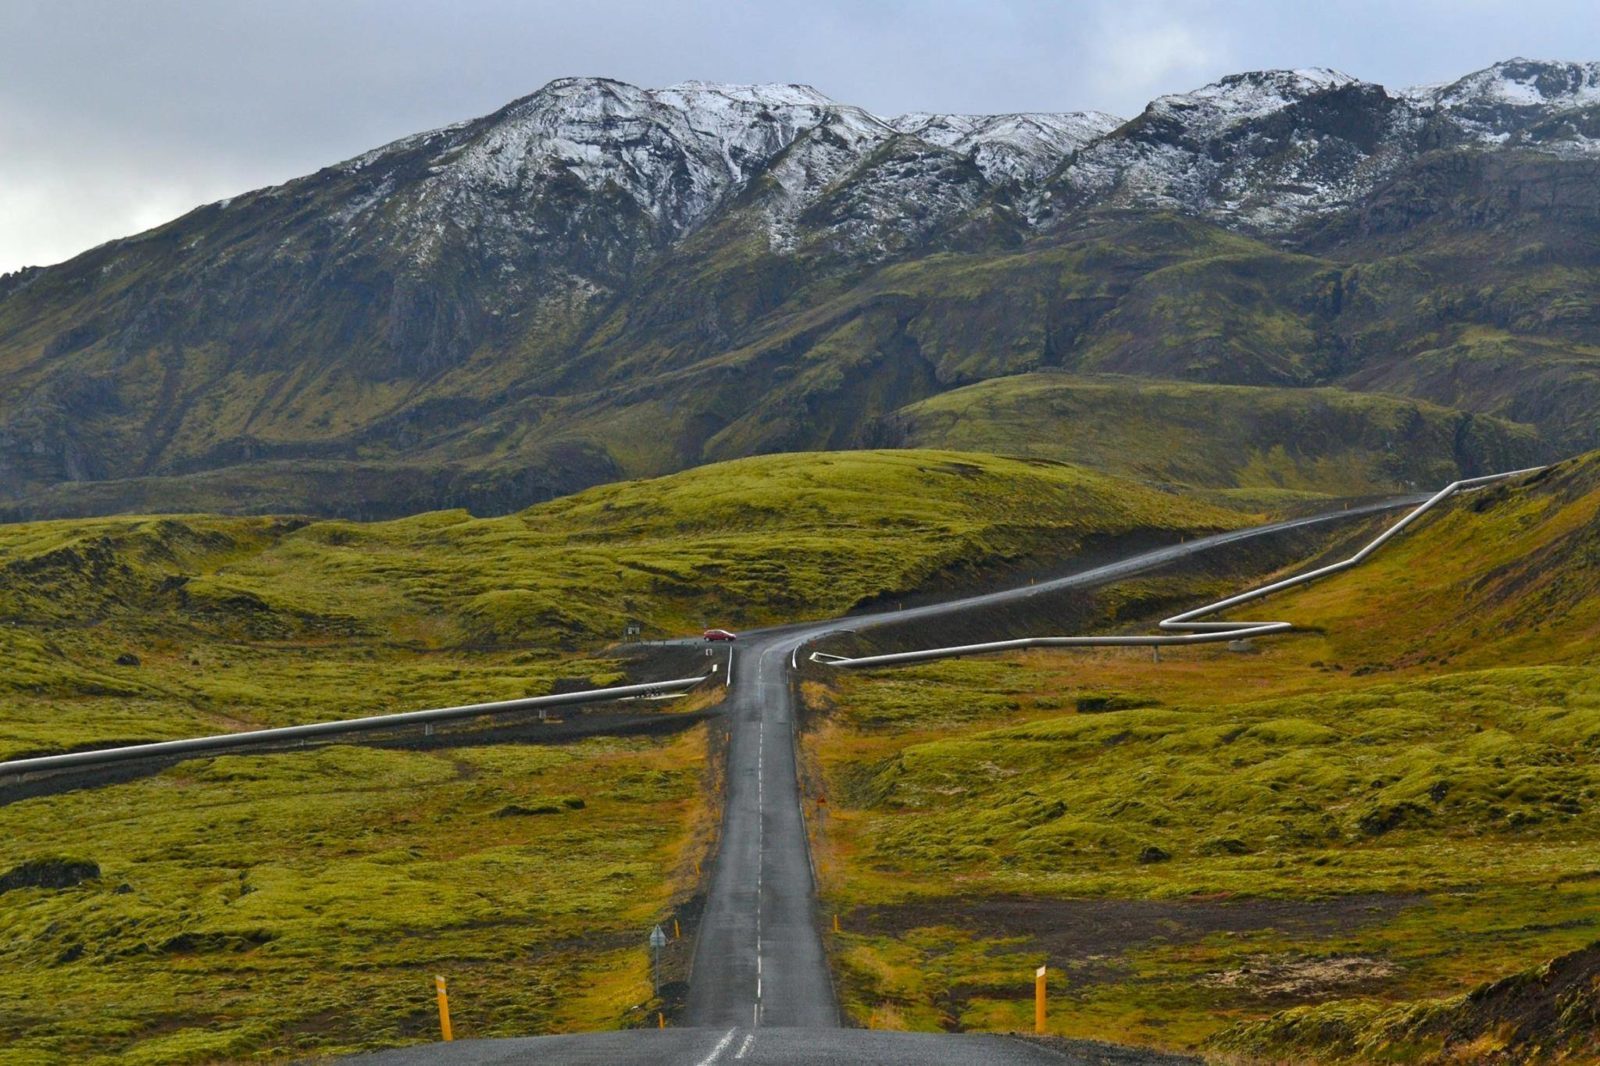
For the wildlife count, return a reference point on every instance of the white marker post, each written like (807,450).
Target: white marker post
(658,940)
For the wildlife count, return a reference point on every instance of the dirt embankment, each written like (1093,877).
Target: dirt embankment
(1090,934)
(1549,1014)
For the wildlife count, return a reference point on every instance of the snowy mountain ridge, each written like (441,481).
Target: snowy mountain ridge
(1263,150)
(600,280)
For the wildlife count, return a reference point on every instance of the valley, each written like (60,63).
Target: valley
(731,383)
(1195,845)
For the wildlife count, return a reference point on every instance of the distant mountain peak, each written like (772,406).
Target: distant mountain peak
(1297,79)
(1506,100)
(1252,95)
(1521,83)
(1019,146)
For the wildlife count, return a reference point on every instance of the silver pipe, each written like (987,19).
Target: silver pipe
(1194,632)
(259,737)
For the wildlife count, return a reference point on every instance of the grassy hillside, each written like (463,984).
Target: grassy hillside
(300,903)
(1545,1014)
(263,907)
(1398,802)
(238,621)
(1262,440)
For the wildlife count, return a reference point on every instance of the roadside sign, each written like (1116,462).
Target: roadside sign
(658,940)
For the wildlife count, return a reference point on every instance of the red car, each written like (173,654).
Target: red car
(720,634)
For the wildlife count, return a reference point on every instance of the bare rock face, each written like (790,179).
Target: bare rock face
(49,873)
(1515,101)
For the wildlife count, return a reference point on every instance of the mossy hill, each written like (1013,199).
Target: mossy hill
(1545,1014)
(1255,442)
(1313,843)
(299,903)
(264,621)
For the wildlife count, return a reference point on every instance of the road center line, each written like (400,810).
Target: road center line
(744,1048)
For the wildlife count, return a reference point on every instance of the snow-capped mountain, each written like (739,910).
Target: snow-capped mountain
(679,153)
(1010,147)
(1264,150)
(674,154)
(553,290)
(1512,98)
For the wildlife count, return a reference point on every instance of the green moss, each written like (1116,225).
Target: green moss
(297,903)
(269,621)
(1430,754)
(1259,446)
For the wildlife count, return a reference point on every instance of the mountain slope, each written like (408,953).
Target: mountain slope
(1256,439)
(600,281)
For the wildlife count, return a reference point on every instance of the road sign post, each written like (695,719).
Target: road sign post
(1038,999)
(444,1008)
(658,940)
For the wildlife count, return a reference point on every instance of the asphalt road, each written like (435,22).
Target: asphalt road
(758,955)
(760,989)
(745,1046)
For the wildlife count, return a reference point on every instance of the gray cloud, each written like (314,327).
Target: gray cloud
(116,115)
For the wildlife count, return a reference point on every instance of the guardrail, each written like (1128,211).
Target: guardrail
(1191,631)
(266,737)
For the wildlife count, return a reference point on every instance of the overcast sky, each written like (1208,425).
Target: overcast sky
(116,115)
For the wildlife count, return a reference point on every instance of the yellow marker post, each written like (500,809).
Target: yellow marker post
(661,1020)
(444,1008)
(677,931)
(836,922)
(1038,1000)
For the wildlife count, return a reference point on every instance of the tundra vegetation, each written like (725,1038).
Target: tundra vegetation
(240,622)
(299,903)
(274,905)
(1241,444)
(1287,854)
